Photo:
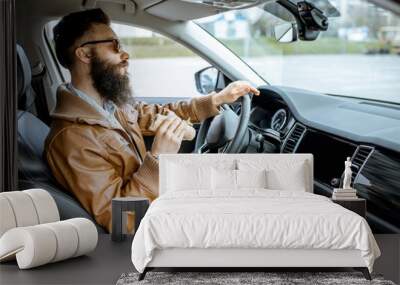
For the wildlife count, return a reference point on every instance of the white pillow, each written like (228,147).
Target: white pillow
(228,179)
(188,177)
(293,178)
(223,179)
(251,178)
(282,174)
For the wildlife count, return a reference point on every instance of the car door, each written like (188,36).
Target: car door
(8,102)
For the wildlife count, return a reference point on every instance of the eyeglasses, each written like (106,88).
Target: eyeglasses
(116,43)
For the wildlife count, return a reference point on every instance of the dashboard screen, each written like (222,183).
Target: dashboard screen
(329,154)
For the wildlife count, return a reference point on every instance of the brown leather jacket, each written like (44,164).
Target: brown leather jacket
(97,162)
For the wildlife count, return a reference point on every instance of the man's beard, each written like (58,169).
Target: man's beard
(109,82)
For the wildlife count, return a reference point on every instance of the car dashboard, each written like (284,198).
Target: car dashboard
(333,128)
(277,118)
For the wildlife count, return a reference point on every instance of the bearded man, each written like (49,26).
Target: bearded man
(95,148)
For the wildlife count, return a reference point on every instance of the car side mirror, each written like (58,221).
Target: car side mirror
(206,79)
(210,79)
(285,33)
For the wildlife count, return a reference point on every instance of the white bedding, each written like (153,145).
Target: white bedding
(250,219)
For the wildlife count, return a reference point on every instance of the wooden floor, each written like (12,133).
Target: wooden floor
(106,264)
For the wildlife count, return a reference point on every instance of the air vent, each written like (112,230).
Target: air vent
(292,141)
(359,158)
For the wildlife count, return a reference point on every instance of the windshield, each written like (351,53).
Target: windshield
(358,56)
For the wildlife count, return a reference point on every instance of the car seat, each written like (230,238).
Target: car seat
(33,170)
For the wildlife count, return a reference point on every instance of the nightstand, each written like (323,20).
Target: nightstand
(357,205)
(120,208)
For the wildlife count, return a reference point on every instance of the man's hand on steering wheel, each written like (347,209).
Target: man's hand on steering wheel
(234,91)
(227,132)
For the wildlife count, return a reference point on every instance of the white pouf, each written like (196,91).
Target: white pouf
(37,245)
(27,208)
(31,230)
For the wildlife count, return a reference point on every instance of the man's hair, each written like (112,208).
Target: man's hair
(72,27)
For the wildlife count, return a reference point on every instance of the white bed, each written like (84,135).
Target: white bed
(201,219)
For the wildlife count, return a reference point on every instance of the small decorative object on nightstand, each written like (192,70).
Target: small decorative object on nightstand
(347,174)
(347,192)
(120,209)
(356,205)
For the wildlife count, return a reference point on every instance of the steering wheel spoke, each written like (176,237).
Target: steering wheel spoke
(223,148)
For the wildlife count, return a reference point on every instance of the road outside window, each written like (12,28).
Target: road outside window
(159,66)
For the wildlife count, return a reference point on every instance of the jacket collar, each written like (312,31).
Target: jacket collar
(72,108)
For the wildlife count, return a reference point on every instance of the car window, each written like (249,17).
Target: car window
(357,56)
(158,66)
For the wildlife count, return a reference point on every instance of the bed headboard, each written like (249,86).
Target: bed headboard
(269,160)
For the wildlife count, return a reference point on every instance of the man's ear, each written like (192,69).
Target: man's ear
(83,54)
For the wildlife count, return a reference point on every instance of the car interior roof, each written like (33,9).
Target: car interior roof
(153,14)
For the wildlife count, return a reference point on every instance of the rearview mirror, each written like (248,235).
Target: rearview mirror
(311,17)
(285,33)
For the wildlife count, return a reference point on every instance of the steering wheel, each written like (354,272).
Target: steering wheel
(225,132)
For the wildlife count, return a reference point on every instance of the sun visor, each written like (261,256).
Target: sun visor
(176,10)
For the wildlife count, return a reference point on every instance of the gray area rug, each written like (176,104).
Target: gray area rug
(232,278)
